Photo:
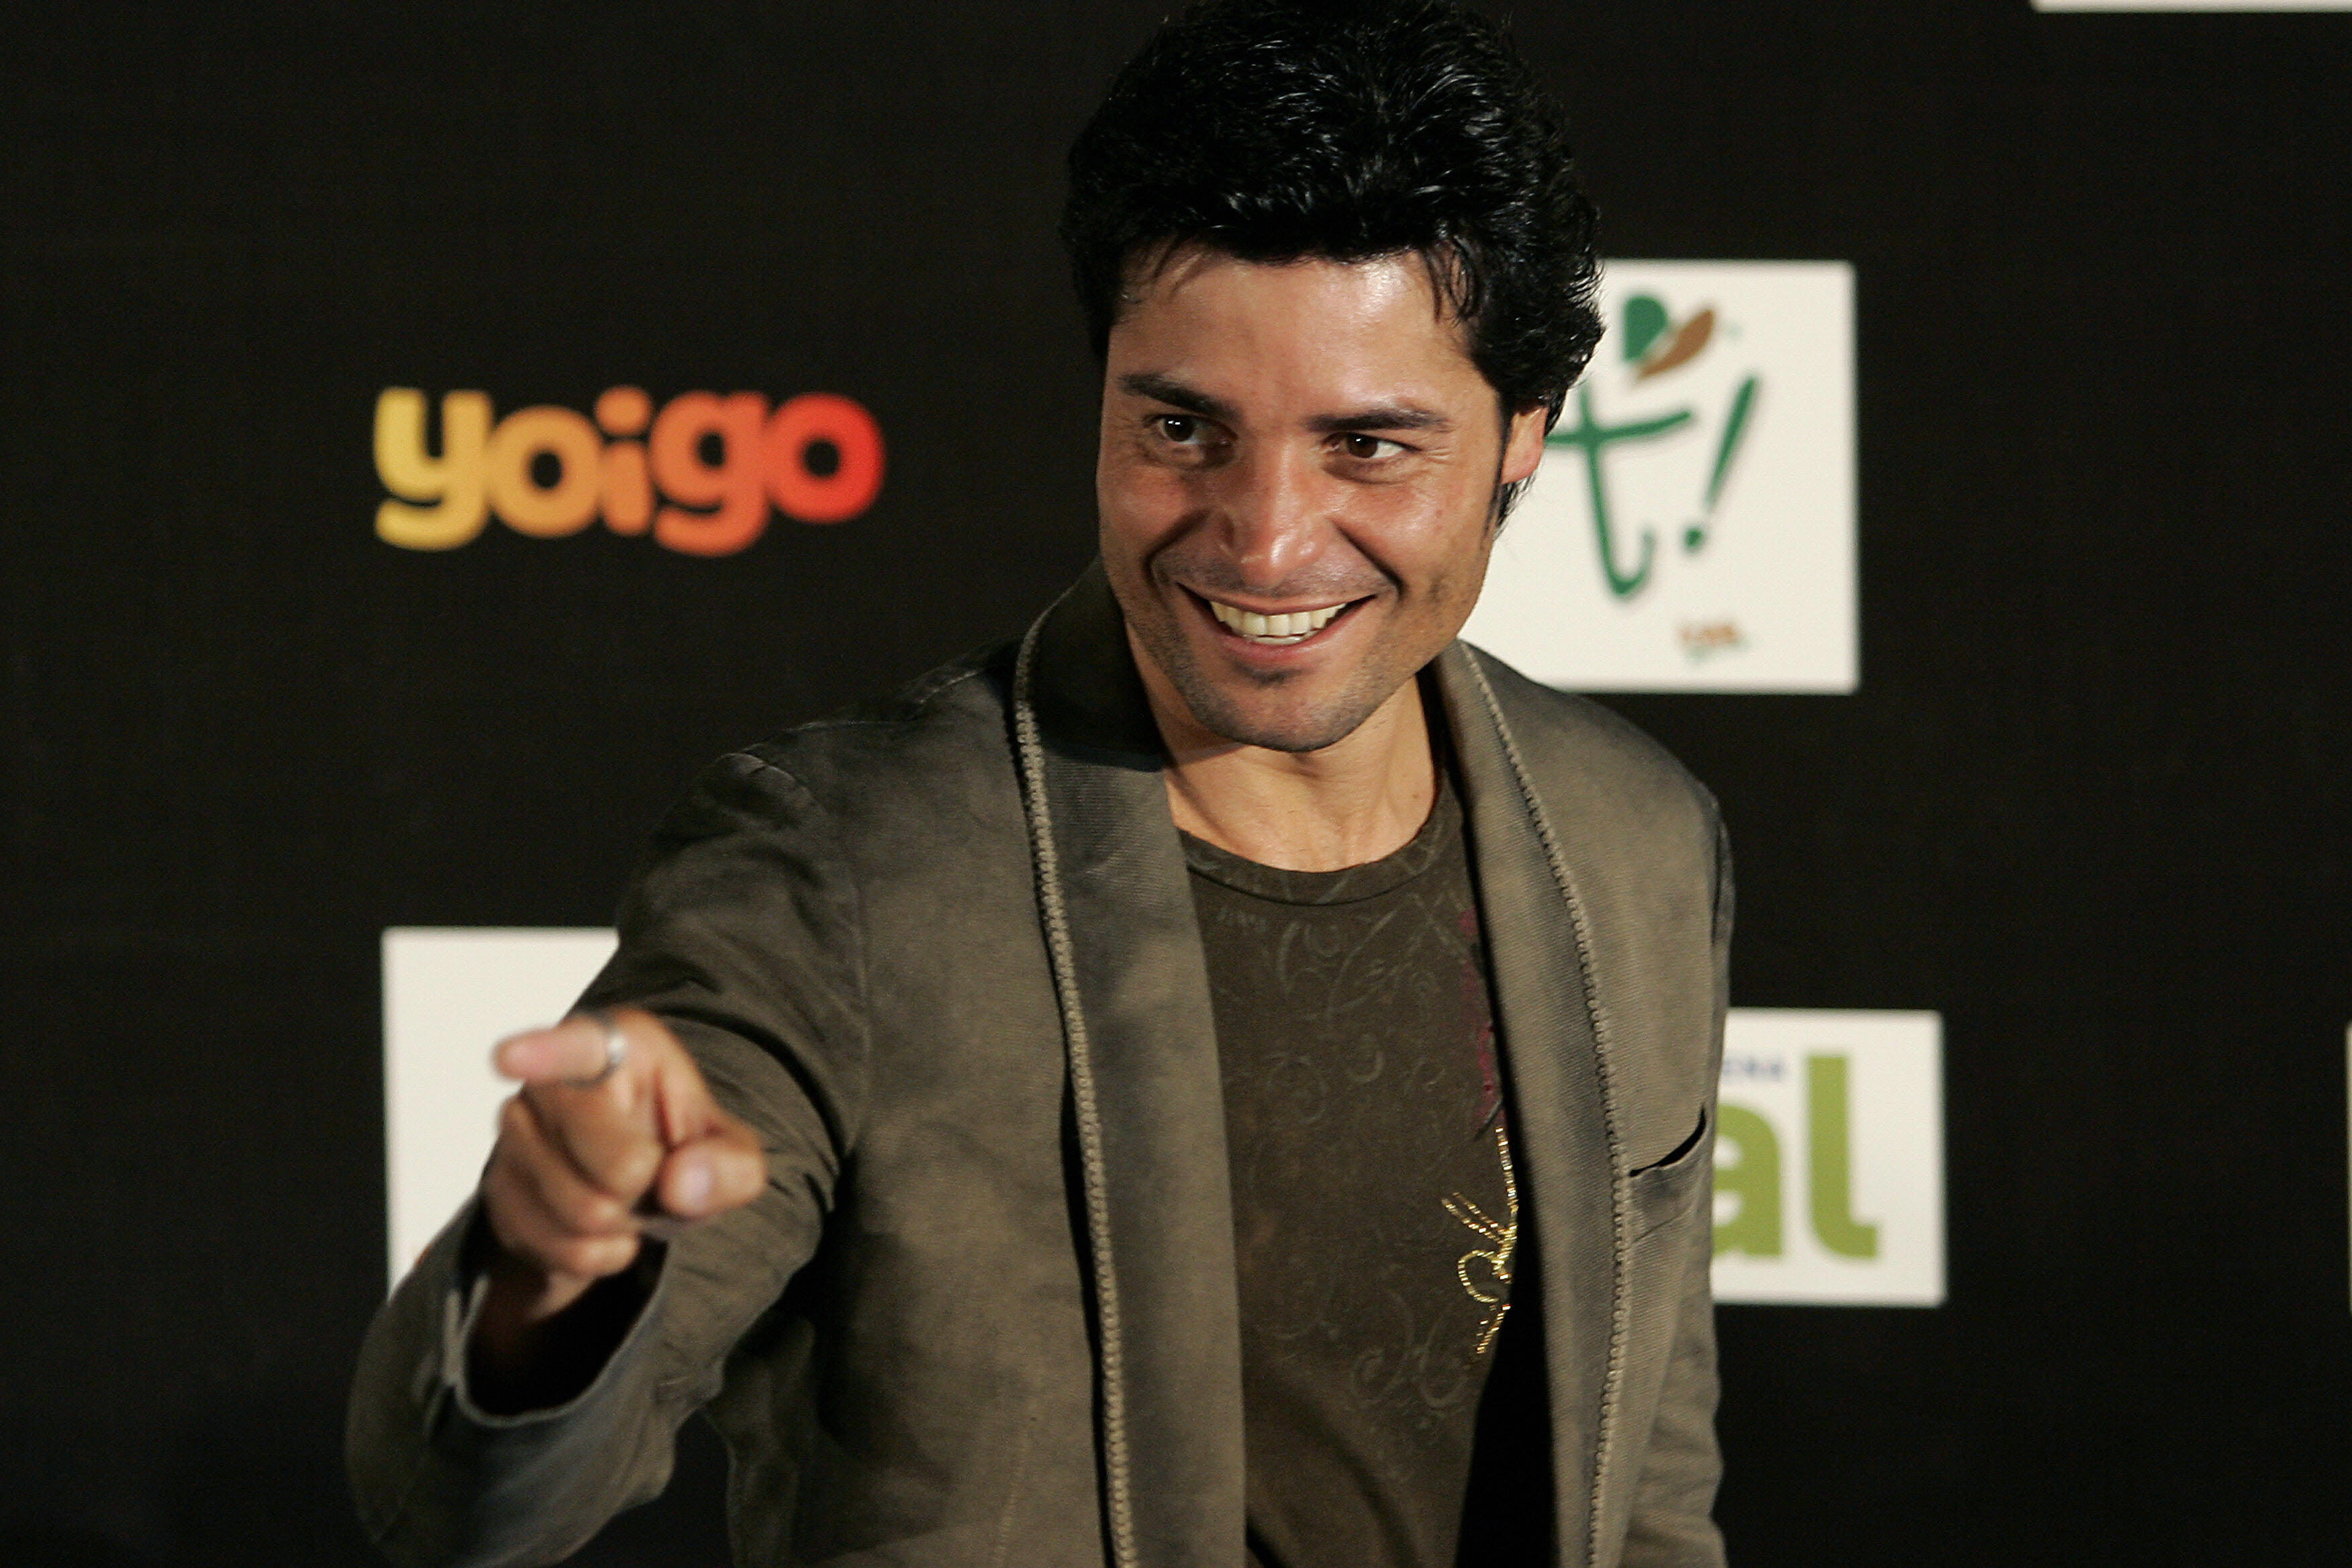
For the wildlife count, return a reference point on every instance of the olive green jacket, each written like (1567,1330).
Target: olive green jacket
(941,954)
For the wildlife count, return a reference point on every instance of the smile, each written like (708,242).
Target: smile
(1274,631)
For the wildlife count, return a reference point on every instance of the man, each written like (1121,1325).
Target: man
(1227,1078)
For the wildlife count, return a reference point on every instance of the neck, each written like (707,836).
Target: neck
(1351,802)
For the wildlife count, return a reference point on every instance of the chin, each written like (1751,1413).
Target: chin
(1250,719)
(1281,712)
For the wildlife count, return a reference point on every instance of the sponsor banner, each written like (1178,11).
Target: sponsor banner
(1829,1183)
(549,472)
(1692,526)
(449,995)
(1829,1159)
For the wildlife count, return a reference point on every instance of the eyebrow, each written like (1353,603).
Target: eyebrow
(1386,417)
(1176,395)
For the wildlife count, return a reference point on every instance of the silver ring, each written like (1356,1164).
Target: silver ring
(616,1047)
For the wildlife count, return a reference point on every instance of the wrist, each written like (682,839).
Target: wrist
(540,1338)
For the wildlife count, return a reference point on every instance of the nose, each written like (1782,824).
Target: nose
(1274,516)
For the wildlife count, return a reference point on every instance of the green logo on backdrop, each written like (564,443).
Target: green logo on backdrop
(1652,344)
(1753,1179)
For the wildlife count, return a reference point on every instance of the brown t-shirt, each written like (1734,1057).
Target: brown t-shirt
(1374,1209)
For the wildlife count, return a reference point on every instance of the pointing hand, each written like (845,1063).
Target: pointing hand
(613,1137)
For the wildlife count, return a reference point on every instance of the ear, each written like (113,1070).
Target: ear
(1523,445)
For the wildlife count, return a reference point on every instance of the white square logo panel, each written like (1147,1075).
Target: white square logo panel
(449,995)
(1829,1159)
(1692,525)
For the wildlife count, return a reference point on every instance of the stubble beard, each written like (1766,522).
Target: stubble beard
(1218,710)
(1225,706)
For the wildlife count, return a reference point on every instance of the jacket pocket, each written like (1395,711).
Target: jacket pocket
(1662,1193)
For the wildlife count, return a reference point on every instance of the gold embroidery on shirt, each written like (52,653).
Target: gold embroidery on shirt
(1502,1241)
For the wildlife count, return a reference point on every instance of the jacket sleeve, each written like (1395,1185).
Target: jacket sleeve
(1672,1523)
(742,934)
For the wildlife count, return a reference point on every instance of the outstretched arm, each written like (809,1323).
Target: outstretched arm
(526,1381)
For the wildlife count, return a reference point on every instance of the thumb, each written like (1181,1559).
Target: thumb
(723,1168)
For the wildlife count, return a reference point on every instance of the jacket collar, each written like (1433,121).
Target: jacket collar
(1147,1100)
(1148,1104)
(1549,997)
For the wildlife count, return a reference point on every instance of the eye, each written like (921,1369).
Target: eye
(1366,449)
(1181,428)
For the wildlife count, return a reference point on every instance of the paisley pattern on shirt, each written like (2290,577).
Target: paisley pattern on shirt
(1375,1215)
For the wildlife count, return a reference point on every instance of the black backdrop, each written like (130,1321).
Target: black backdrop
(2089,802)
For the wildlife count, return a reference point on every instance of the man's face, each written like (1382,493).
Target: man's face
(1309,443)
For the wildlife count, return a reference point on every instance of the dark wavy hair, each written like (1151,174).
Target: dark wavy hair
(1277,129)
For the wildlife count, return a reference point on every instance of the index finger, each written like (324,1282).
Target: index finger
(580,1049)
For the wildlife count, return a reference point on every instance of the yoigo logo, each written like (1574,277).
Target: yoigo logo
(548,471)
(1829,1158)
(1692,525)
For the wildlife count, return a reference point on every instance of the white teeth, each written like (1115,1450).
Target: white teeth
(1274,631)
